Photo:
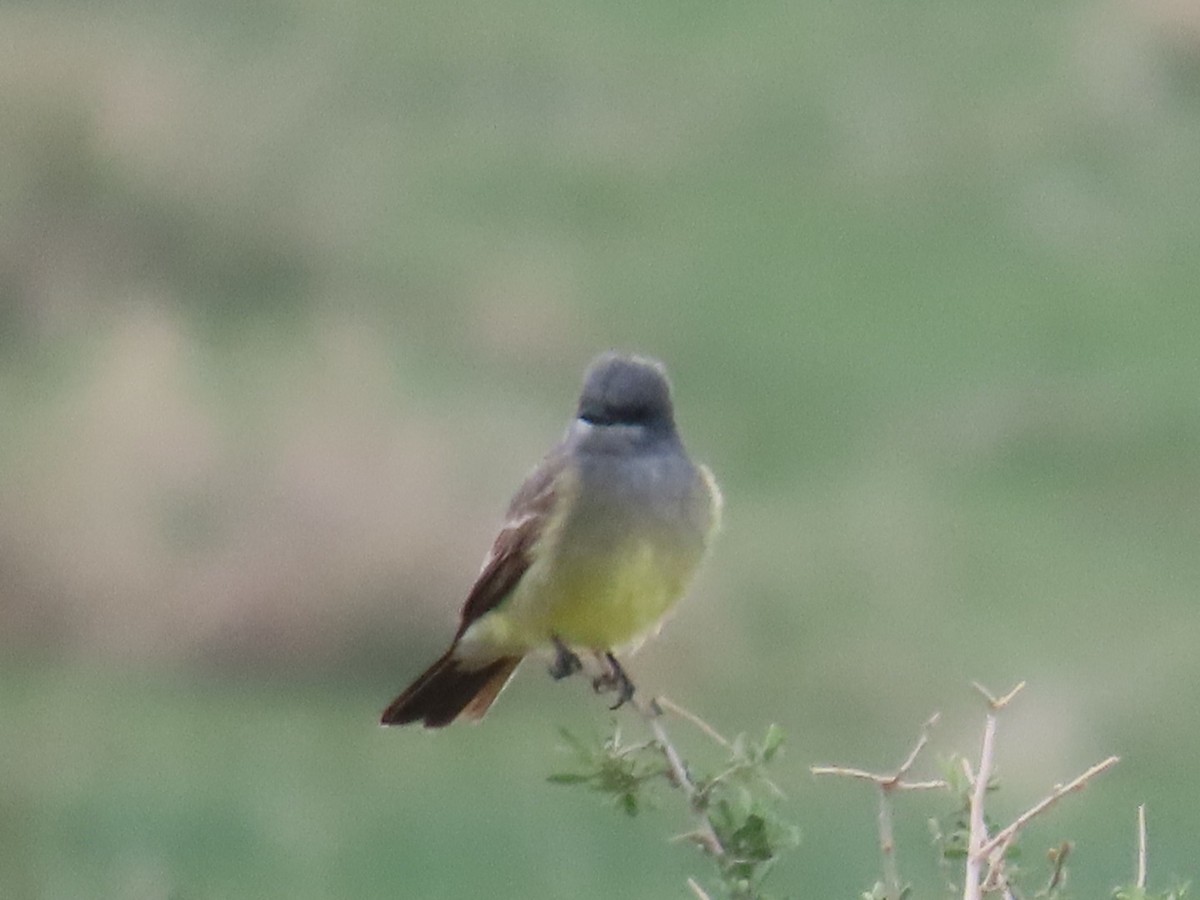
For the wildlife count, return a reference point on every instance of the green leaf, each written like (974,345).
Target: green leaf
(568,778)
(753,840)
(629,804)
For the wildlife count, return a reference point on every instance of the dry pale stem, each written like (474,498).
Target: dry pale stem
(1141,855)
(991,850)
(671,706)
(998,703)
(886,784)
(891,781)
(922,740)
(1006,835)
(977,833)
(977,830)
(704,835)
(887,846)
(687,715)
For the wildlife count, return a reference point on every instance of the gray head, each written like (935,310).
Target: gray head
(629,392)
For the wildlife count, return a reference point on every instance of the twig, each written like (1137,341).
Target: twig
(977,833)
(977,836)
(1141,856)
(697,890)
(689,716)
(1006,835)
(980,847)
(922,740)
(668,704)
(998,703)
(887,846)
(893,781)
(704,835)
(995,849)
(876,779)
(887,784)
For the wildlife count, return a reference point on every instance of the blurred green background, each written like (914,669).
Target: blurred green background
(293,293)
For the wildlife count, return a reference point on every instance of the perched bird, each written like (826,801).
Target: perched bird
(599,543)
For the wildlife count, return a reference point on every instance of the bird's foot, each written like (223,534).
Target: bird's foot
(614,678)
(565,662)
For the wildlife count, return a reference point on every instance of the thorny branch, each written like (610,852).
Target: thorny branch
(983,849)
(887,784)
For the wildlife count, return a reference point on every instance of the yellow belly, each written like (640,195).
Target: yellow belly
(605,607)
(584,603)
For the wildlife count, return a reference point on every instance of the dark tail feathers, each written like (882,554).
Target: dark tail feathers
(447,690)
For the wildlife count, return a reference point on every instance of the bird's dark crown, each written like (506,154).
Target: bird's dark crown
(625,390)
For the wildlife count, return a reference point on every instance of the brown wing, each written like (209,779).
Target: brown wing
(511,553)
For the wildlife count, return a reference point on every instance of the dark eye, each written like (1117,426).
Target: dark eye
(638,414)
(628,414)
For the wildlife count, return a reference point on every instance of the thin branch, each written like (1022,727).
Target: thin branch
(922,740)
(671,706)
(1006,835)
(998,703)
(980,847)
(887,846)
(882,781)
(697,890)
(886,784)
(1141,856)
(996,878)
(977,833)
(892,781)
(704,835)
(977,836)
(668,704)
(739,767)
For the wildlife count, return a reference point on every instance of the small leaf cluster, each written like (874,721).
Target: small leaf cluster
(610,767)
(740,806)
(738,828)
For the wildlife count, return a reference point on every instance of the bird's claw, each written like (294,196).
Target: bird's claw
(614,679)
(565,662)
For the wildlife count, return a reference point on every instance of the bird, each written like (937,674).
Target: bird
(599,543)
